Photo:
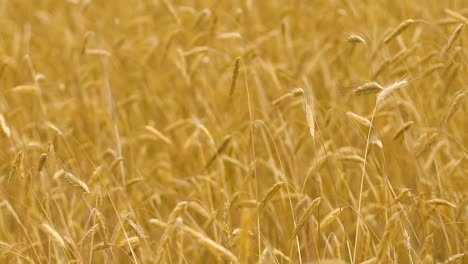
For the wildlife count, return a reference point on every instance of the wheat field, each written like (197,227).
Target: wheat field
(204,131)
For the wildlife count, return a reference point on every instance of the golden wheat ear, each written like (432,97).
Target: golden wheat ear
(402,27)
(235,73)
(453,37)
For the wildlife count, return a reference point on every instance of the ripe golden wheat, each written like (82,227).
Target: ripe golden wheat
(183,131)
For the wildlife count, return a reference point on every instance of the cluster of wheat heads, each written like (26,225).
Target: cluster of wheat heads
(204,131)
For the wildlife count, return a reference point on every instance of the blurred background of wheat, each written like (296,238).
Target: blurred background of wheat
(131,133)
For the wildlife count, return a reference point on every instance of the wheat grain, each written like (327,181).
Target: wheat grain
(356,39)
(4,127)
(306,215)
(370,261)
(230,35)
(403,194)
(384,244)
(26,89)
(136,229)
(227,223)
(351,158)
(99,52)
(402,27)
(12,211)
(81,80)
(99,218)
(381,67)
(270,193)
(16,165)
(330,217)
(453,37)
(456,15)
(403,129)
(310,114)
(101,246)
(208,242)
(281,98)
(133,241)
(389,90)
(235,73)
(134,181)
(296,92)
(91,231)
(158,134)
(427,58)
(454,258)
(168,231)
(53,234)
(172,11)
(433,68)
(456,104)
(428,260)
(359,119)
(426,143)
(441,202)
(224,144)
(277,252)
(196,50)
(75,182)
(42,162)
(427,246)
(53,128)
(178,211)
(86,38)
(376,141)
(368,88)
(407,243)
